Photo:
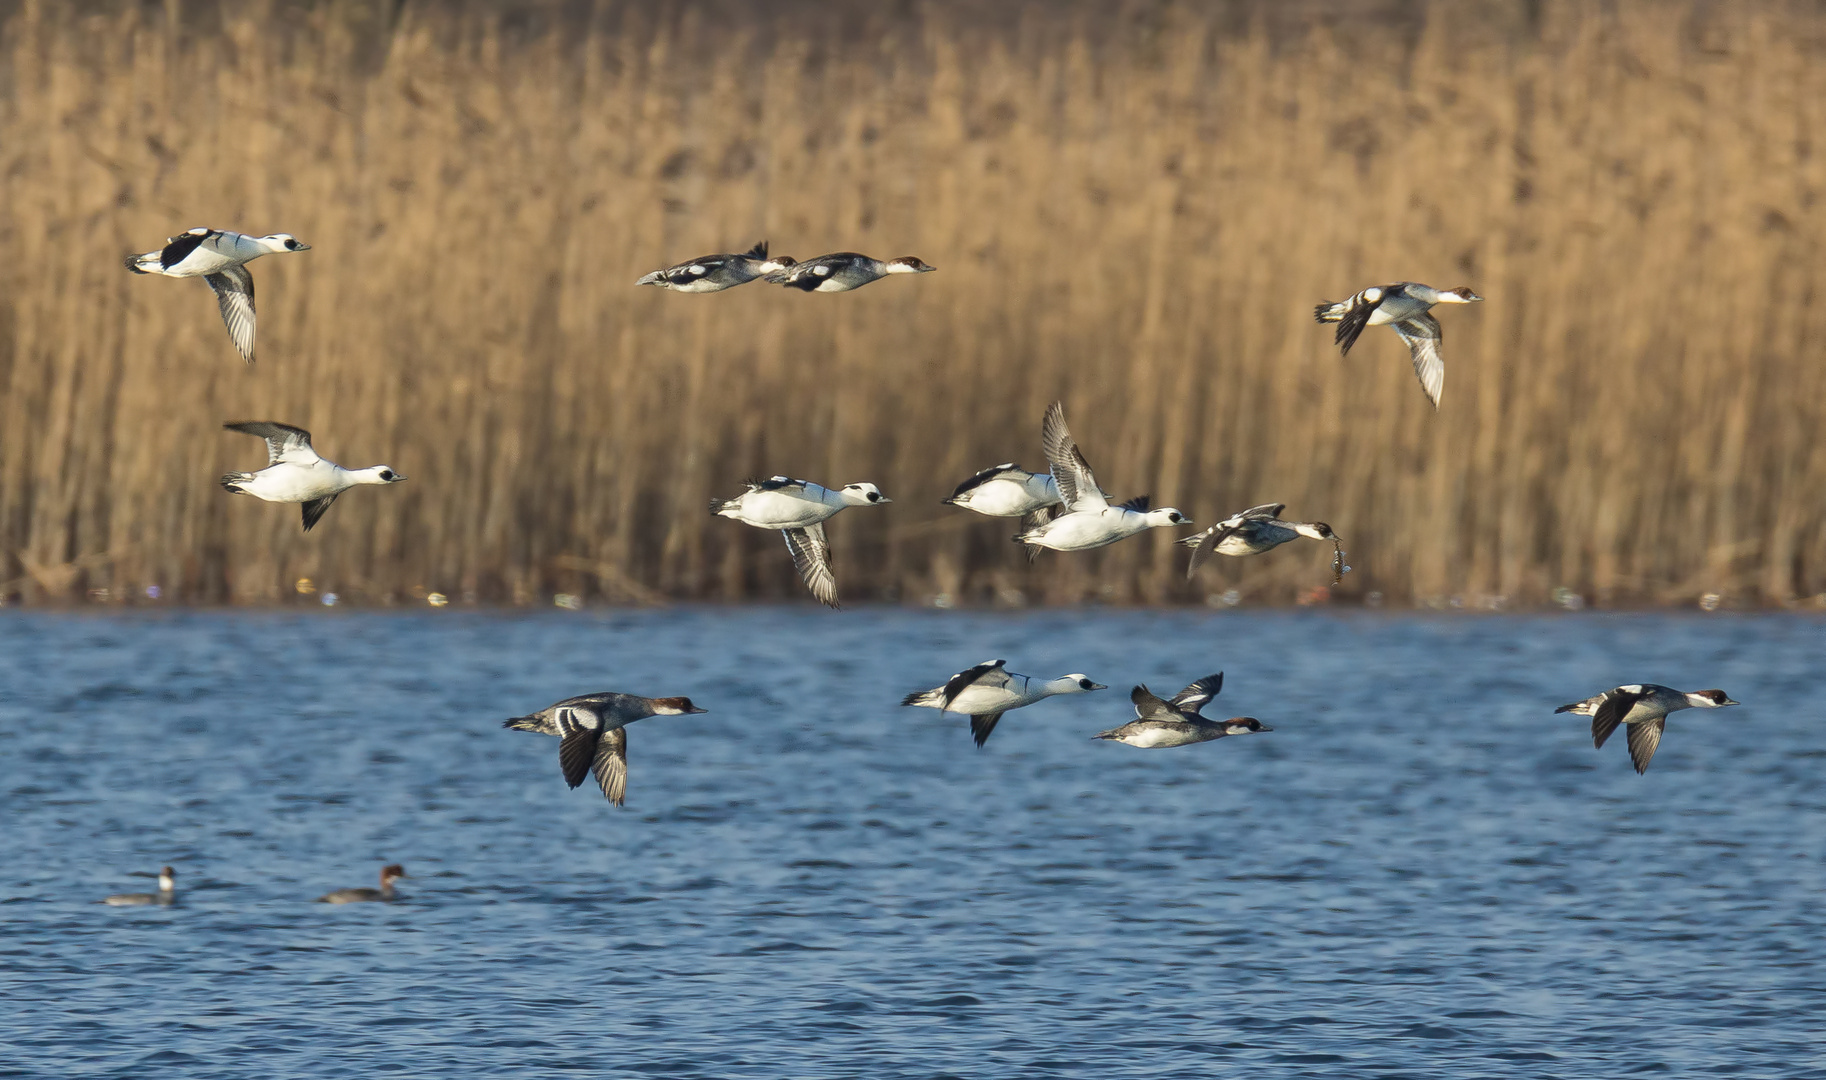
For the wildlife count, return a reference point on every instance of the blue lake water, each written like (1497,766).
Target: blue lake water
(1422,872)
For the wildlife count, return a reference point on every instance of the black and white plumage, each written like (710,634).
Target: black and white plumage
(844,270)
(989,689)
(714,273)
(1644,708)
(1089,521)
(594,742)
(1007,490)
(1405,306)
(1178,721)
(799,508)
(220,258)
(1254,531)
(296,474)
(166,896)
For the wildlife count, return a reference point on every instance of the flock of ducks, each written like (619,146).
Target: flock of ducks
(1063,509)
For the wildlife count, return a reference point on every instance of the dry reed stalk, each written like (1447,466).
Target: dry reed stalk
(1133,209)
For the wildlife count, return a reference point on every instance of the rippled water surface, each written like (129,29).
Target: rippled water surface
(1422,872)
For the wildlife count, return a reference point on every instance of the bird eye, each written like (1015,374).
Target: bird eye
(386,474)
(874,496)
(1086,683)
(293,244)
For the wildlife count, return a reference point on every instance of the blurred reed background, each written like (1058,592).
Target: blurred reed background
(1133,207)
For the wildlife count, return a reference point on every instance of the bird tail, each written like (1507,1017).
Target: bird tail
(1329,311)
(719,504)
(759,251)
(233,481)
(141,264)
(657,277)
(1110,734)
(1569,708)
(924,697)
(522,723)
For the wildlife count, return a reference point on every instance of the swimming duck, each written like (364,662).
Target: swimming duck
(843,271)
(1089,520)
(714,273)
(388,875)
(1178,722)
(220,258)
(591,726)
(799,508)
(988,690)
(1644,707)
(1405,307)
(295,474)
(167,893)
(1254,531)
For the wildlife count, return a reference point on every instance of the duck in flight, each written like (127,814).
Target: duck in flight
(1007,490)
(799,509)
(595,739)
(1644,708)
(1256,530)
(1177,721)
(986,691)
(714,273)
(843,271)
(1089,521)
(220,258)
(1405,307)
(166,895)
(388,875)
(295,474)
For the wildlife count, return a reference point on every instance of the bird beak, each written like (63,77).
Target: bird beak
(1265,728)
(396,478)
(695,709)
(1098,686)
(1728,701)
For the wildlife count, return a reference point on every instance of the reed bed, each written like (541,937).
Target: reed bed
(1133,208)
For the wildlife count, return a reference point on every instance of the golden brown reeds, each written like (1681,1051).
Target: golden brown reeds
(1132,207)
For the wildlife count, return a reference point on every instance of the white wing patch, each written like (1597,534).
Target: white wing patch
(1422,335)
(234,288)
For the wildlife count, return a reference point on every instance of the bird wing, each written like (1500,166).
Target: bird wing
(610,765)
(812,557)
(234,287)
(1422,335)
(578,748)
(1357,316)
(1214,536)
(179,247)
(1032,520)
(980,673)
(1643,739)
(1150,707)
(985,476)
(285,444)
(982,726)
(1266,510)
(1610,712)
(315,509)
(1077,487)
(777,483)
(1195,696)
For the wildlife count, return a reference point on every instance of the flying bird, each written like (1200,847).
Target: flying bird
(295,474)
(1406,308)
(220,258)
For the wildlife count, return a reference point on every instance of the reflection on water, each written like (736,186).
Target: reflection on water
(1422,871)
